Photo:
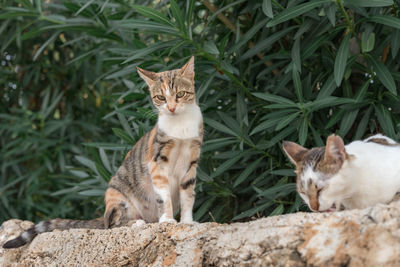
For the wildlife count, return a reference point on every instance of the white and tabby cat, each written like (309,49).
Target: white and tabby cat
(358,175)
(158,175)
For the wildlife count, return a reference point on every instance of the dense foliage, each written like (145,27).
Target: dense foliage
(72,103)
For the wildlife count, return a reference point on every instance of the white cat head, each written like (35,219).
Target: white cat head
(316,168)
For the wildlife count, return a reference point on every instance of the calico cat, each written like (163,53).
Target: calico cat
(158,175)
(358,175)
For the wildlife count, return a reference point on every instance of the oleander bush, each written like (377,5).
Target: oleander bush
(72,103)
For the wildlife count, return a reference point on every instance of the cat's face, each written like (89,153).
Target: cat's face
(171,90)
(316,168)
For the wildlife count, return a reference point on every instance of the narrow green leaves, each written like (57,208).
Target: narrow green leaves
(176,12)
(369,3)
(267,8)
(341,59)
(266,43)
(274,98)
(153,14)
(244,175)
(295,11)
(211,48)
(303,131)
(383,74)
(392,22)
(296,55)
(124,136)
(395,43)
(148,25)
(367,42)
(219,126)
(45,44)
(297,85)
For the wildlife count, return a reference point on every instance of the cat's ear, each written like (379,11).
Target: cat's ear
(294,151)
(187,71)
(148,76)
(335,152)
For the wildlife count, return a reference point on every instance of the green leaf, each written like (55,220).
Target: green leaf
(204,208)
(218,126)
(147,25)
(150,49)
(385,121)
(295,11)
(277,211)
(176,12)
(264,125)
(211,48)
(303,132)
(45,44)
(341,59)
(105,160)
(362,126)
(83,7)
(266,43)
(369,3)
(328,88)
(278,137)
(247,171)
(109,146)
(395,42)
(267,8)
(252,211)
(281,189)
(248,35)
(87,162)
(285,121)
(392,22)
(124,136)
(383,74)
(330,11)
(311,47)
(297,85)
(296,56)
(227,164)
(274,98)
(347,122)
(367,42)
(153,14)
(92,193)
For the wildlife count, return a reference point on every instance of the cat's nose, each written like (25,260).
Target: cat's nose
(172,110)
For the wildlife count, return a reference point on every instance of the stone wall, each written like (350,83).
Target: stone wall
(369,237)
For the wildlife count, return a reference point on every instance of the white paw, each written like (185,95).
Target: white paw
(163,218)
(138,223)
(188,221)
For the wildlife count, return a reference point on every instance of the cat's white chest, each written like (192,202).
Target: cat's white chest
(184,125)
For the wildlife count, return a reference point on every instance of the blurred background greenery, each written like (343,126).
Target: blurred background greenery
(72,103)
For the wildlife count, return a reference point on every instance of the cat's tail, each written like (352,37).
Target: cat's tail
(50,225)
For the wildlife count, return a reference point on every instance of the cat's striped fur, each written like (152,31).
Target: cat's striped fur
(158,174)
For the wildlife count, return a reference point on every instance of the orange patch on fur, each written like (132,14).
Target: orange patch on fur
(150,142)
(112,197)
(127,154)
(160,181)
(165,83)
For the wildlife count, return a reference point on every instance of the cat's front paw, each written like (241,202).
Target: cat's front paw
(165,219)
(138,223)
(188,221)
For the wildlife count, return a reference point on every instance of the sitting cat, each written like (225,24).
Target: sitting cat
(358,175)
(158,174)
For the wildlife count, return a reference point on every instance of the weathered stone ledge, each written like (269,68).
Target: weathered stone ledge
(369,237)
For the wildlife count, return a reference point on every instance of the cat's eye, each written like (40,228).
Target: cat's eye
(180,94)
(160,97)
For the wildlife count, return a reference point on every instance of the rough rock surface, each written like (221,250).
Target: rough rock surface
(369,237)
